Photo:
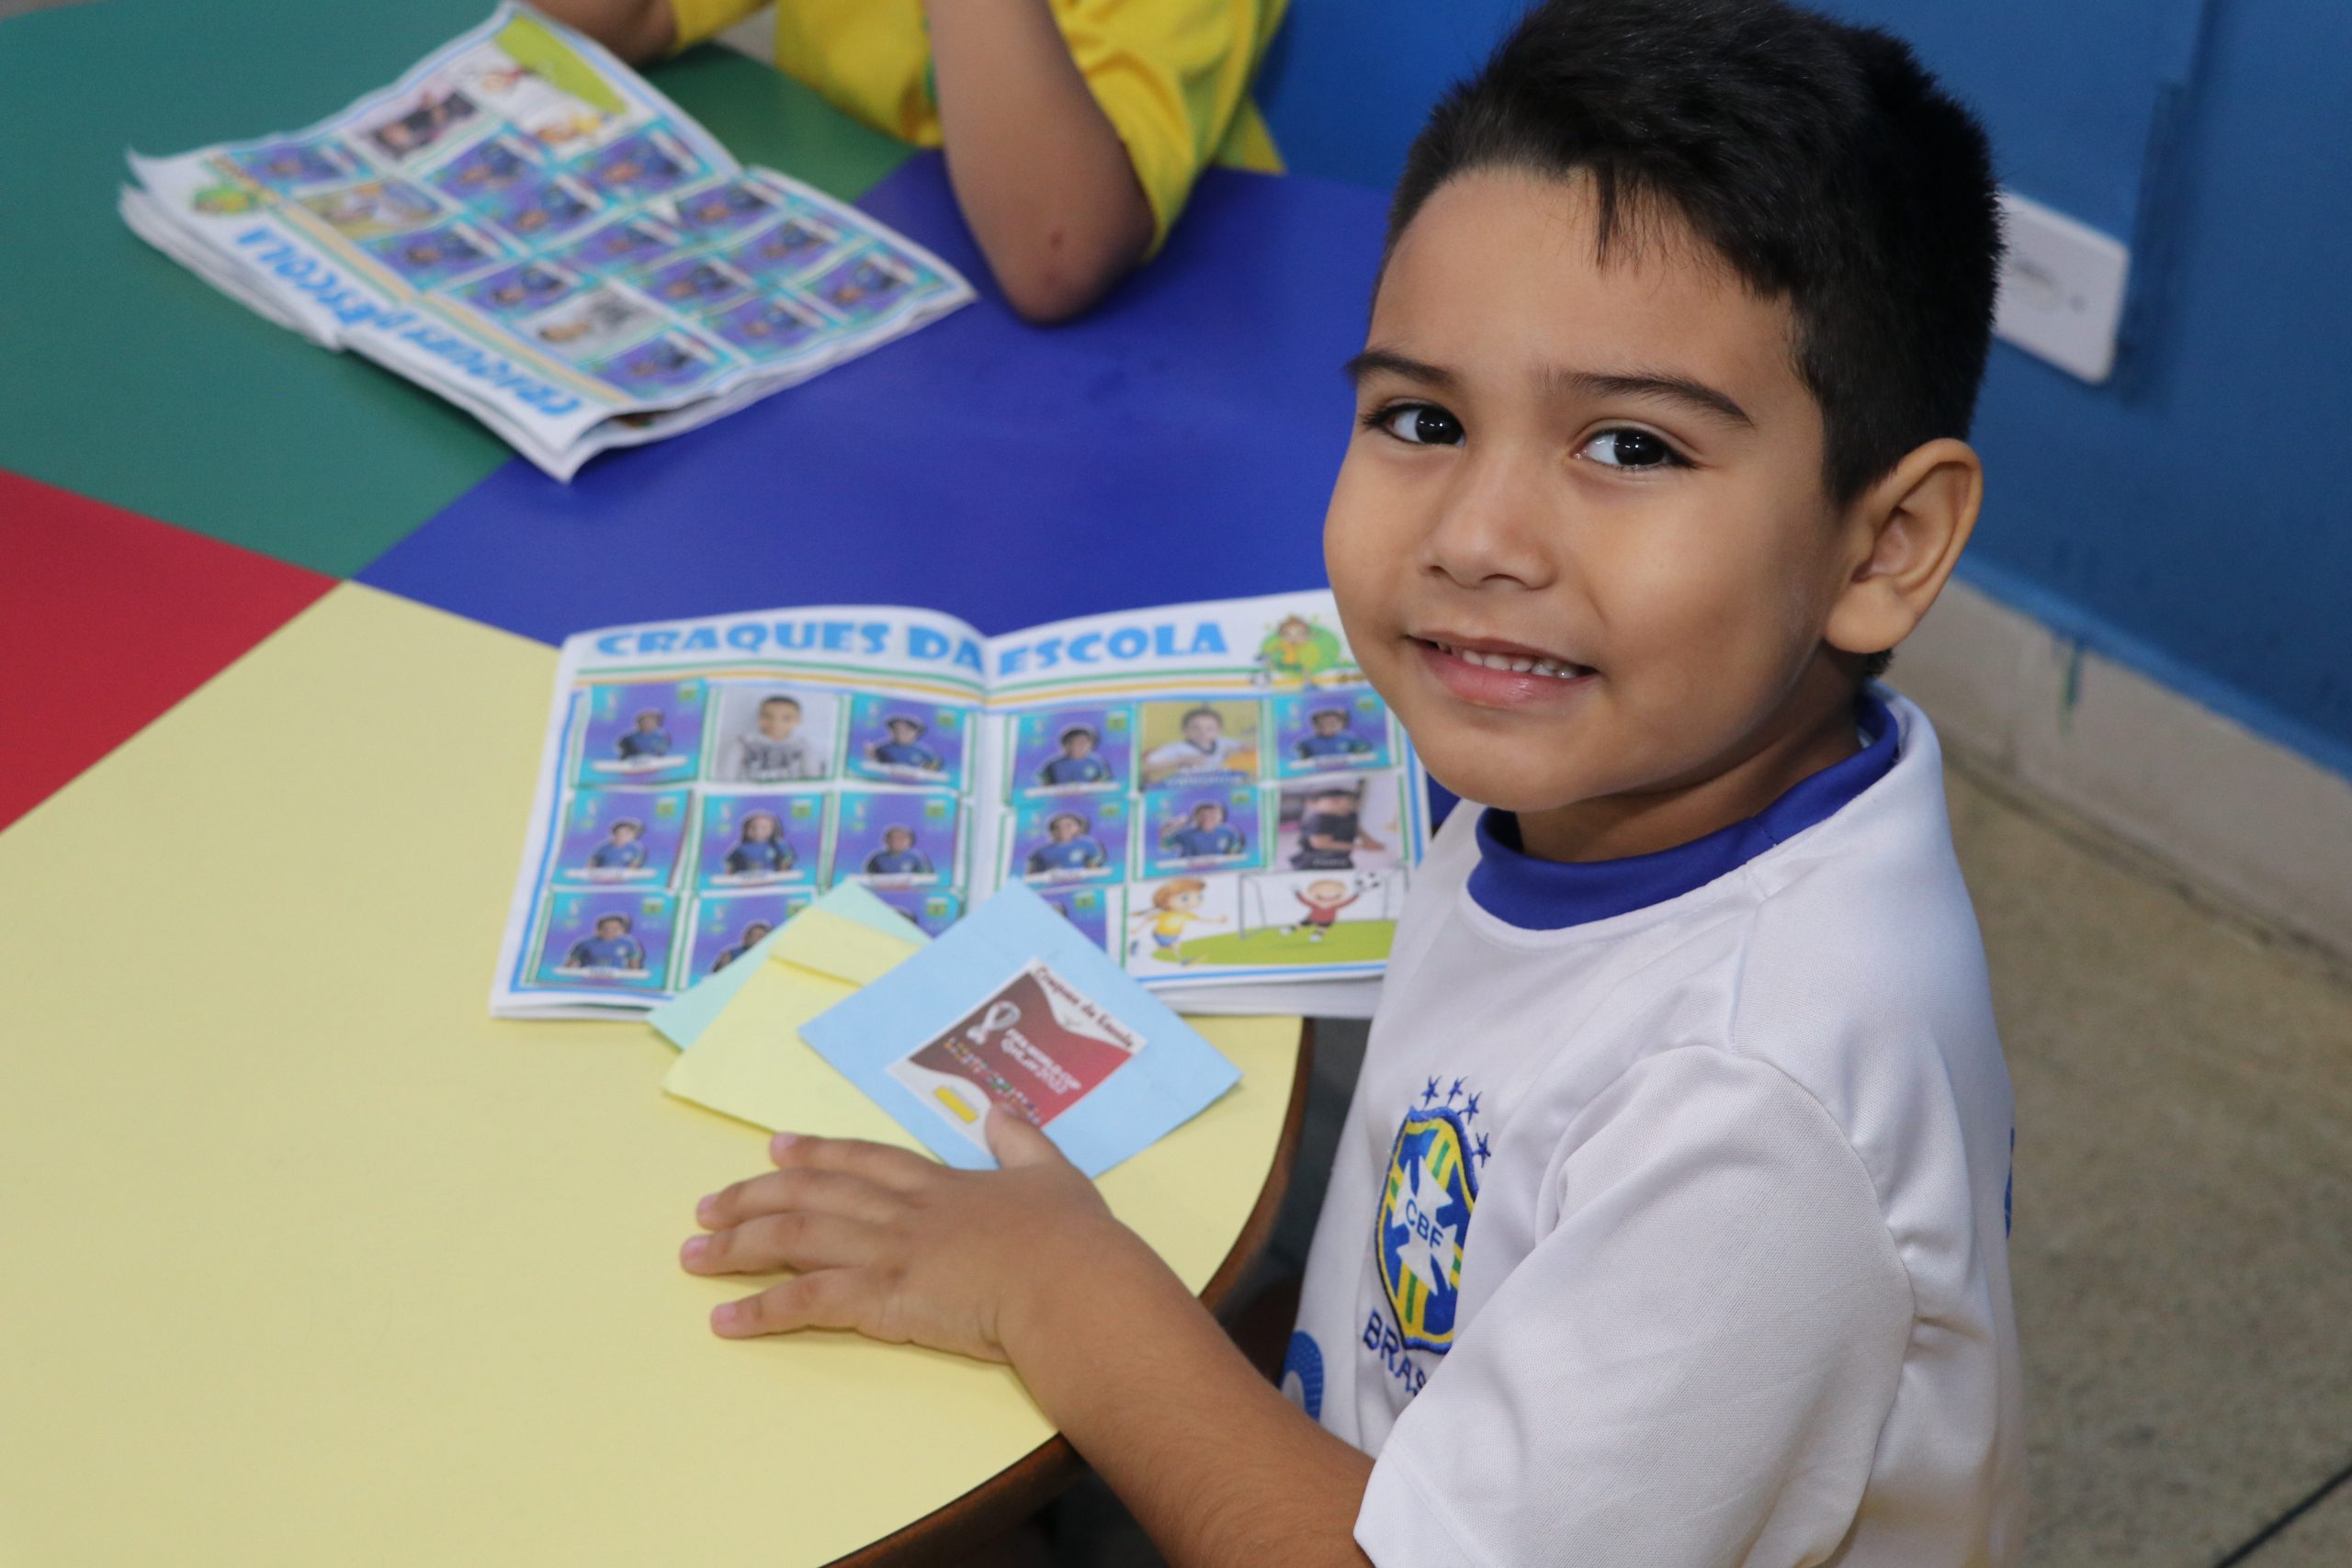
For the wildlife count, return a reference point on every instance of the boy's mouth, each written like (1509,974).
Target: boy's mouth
(1493,673)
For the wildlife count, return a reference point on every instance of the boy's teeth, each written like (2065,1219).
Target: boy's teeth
(1558,670)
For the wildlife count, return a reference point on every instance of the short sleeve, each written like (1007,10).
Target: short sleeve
(1172,77)
(700,19)
(1691,1369)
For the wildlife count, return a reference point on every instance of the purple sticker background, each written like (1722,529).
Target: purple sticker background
(800,818)
(865,814)
(572,916)
(611,711)
(1110,822)
(1087,908)
(1172,808)
(945,731)
(587,823)
(720,922)
(1037,742)
(932,909)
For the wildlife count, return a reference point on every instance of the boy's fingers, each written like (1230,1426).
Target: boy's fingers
(823,1192)
(831,1298)
(1016,1142)
(897,1169)
(770,1241)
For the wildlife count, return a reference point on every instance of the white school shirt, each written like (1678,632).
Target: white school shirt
(1670,1220)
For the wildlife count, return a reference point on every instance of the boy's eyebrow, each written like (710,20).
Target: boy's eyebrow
(1695,395)
(1374,360)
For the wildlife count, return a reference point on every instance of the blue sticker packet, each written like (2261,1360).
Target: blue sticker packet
(1014,1010)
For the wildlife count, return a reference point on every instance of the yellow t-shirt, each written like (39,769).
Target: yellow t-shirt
(1172,76)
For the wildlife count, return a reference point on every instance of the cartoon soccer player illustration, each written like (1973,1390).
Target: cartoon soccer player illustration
(775,750)
(1330,738)
(1299,649)
(647,740)
(905,747)
(1071,848)
(1323,898)
(1204,834)
(898,856)
(611,948)
(1174,906)
(753,935)
(623,849)
(1330,831)
(1204,748)
(761,851)
(1078,764)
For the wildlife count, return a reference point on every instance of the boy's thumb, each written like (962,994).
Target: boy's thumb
(1016,1142)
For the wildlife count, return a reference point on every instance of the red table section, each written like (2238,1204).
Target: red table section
(106,620)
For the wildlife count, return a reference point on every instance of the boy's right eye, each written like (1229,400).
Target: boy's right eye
(1418,424)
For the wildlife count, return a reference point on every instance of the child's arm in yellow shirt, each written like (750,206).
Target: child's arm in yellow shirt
(1025,1264)
(1042,177)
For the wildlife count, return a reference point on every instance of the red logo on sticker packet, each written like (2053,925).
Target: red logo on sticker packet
(1037,1046)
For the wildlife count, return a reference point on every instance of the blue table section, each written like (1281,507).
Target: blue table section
(1178,444)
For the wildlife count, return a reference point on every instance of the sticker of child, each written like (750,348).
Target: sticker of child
(1070,849)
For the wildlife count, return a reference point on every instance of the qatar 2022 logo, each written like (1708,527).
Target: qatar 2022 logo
(1425,1219)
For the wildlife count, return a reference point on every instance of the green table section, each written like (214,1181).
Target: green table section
(135,383)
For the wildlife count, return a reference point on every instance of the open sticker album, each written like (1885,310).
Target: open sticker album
(525,227)
(1209,792)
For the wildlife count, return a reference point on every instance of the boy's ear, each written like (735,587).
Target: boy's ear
(1908,531)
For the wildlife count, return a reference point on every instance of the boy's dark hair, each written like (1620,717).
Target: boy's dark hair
(780,700)
(1820,160)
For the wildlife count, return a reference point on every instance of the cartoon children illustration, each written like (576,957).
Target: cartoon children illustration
(1299,649)
(776,750)
(1206,836)
(1324,898)
(1329,831)
(898,856)
(905,747)
(1174,906)
(761,849)
(1204,748)
(751,937)
(623,849)
(1071,848)
(611,948)
(1330,737)
(647,740)
(1078,764)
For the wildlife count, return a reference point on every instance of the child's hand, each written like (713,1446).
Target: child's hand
(900,1248)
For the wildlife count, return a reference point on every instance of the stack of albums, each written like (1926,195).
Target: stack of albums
(522,225)
(1209,793)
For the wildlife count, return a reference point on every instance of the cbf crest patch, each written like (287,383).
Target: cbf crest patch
(1424,1221)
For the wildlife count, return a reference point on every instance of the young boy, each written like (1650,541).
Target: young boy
(898,856)
(1330,831)
(1329,736)
(774,751)
(611,948)
(623,849)
(905,749)
(1668,1222)
(1206,836)
(1203,747)
(1074,129)
(1077,764)
(645,740)
(1069,850)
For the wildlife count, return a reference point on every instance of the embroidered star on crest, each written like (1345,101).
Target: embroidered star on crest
(1429,1095)
(1429,1257)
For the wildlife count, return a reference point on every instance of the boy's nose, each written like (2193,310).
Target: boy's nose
(1497,526)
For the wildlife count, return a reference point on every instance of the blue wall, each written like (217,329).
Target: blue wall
(2193,515)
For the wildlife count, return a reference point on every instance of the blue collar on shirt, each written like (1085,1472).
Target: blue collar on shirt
(1543,894)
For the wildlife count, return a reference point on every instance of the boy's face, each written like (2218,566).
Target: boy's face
(623,832)
(897,838)
(1505,491)
(902,730)
(1327,891)
(1329,723)
(610,927)
(648,721)
(1062,829)
(1203,729)
(1077,743)
(1208,813)
(778,721)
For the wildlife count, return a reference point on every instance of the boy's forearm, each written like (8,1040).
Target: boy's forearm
(637,30)
(1214,1463)
(1041,176)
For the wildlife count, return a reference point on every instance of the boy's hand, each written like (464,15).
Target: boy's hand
(900,1248)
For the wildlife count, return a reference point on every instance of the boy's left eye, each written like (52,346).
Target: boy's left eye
(1630,449)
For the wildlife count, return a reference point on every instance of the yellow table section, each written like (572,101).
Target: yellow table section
(305,1260)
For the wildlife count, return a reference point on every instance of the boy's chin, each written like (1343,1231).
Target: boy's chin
(1506,788)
